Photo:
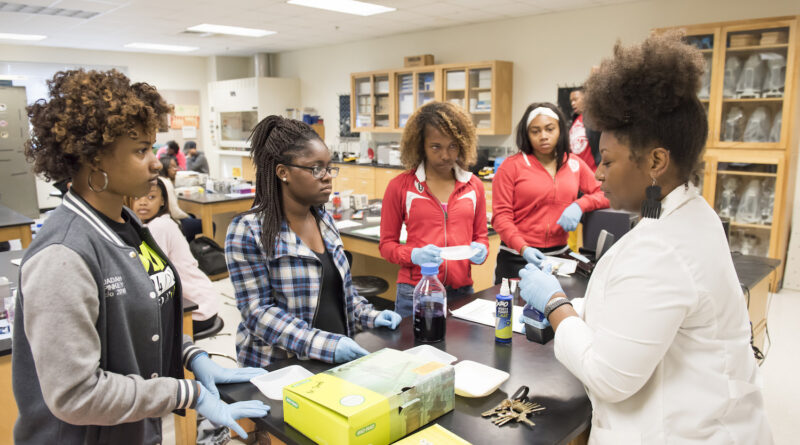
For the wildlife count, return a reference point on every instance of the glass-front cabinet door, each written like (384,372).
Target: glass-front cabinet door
(405,98)
(383,105)
(362,106)
(426,87)
(705,39)
(480,97)
(744,193)
(455,87)
(754,86)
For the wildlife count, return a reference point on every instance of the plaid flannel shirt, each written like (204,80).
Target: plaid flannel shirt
(278,295)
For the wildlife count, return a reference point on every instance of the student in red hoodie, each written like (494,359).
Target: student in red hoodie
(535,199)
(441,203)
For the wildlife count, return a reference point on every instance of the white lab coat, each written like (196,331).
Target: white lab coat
(663,345)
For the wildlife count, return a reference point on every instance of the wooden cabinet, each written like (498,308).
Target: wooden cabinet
(482,89)
(356,178)
(382,178)
(750,94)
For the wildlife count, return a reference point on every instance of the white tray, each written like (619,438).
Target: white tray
(431,353)
(458,252)
(476,380)
(272,383)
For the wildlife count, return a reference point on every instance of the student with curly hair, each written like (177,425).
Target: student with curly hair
(286,258)
(440,202)
(98,350)
(535,193)
(662,343)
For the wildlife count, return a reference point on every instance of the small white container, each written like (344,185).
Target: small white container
(458,252)
(272,383)
(477,380)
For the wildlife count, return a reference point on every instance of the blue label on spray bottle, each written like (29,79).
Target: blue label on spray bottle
(502,330)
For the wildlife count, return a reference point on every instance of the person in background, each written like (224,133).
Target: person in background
(662,342)
(440,202)
(286,259)
(583,141)
(153,209)
(535,192)
(195,160)
(191,226)
(98,349)
(171,148)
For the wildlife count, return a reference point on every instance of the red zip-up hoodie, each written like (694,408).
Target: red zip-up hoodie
(527,201)
(409,200)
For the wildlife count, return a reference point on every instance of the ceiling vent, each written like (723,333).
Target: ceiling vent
(44,10)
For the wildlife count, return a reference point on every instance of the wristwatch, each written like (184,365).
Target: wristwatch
(554,304)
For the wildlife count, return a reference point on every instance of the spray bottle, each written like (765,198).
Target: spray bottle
(502,330)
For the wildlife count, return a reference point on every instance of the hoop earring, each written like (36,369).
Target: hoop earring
(651,207)
(105,182)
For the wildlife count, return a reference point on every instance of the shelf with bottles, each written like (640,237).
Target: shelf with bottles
(746,200)
(757,64)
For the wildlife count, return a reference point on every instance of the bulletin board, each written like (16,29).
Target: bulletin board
(184,123)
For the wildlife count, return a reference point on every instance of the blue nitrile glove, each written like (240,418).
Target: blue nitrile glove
(347,349)
(479,257)
(210,373)
(533,256)
(427,254)
(221,413)
(571,217)
(537,286)
(388,319)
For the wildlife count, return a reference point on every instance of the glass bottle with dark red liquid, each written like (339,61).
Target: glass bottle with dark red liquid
(430,306)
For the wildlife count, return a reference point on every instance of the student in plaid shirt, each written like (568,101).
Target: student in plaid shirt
(286,259)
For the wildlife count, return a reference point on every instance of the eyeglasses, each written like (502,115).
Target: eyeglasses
(318,171)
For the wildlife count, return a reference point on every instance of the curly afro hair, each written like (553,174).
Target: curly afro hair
(86,113)
(449,120)
(646,95)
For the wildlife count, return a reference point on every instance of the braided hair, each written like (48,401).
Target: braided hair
(275,140)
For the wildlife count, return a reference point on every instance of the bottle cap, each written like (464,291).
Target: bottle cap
(504,287)
(430,269)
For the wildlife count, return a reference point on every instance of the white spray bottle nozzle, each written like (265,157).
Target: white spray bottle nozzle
(504,287)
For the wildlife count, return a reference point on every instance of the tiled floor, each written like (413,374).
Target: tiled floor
(781,385)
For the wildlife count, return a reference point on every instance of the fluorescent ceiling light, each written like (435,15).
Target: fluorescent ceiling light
(7,36)
(232,30)
(160,47)
(346,6)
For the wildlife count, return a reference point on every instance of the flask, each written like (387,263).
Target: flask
(503,305)
(430,306)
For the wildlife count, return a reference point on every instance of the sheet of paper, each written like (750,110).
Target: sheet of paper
(483,312)
(346,223)
(561,266)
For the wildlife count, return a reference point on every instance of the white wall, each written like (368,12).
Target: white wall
(166,72)
(547,50)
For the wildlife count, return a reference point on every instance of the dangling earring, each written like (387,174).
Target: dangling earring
(105,182)
(651,207)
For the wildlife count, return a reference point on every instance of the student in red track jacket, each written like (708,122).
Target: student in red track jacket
(440,202)
(535,192)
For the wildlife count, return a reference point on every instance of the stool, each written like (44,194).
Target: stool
(370,286)
(212,331)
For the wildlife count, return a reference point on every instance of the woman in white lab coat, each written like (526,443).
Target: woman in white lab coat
(661,340)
